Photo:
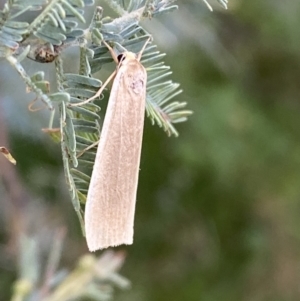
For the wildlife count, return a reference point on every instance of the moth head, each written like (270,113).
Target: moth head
(126,56)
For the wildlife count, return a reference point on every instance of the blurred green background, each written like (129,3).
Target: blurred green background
(218,208)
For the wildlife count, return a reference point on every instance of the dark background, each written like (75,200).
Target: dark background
(218,208)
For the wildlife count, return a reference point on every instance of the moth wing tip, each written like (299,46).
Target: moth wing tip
(95,246)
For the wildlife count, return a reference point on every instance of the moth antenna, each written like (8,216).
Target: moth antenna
(115,58)
(143,49)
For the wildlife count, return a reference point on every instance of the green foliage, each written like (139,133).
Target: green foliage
(55,29)
(93,278)
(218,209)
(43,40)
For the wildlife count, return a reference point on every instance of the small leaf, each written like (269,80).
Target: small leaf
(7,155)
(60,97)
(38,76)
(23,54)
(85,80)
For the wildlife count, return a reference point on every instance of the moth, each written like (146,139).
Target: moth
(111,198)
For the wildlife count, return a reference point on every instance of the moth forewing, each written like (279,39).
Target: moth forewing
(110,207)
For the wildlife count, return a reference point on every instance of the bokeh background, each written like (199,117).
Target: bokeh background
(218,208)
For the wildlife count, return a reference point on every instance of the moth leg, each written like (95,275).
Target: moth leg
(96,95)
(87,148)
(115,58)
